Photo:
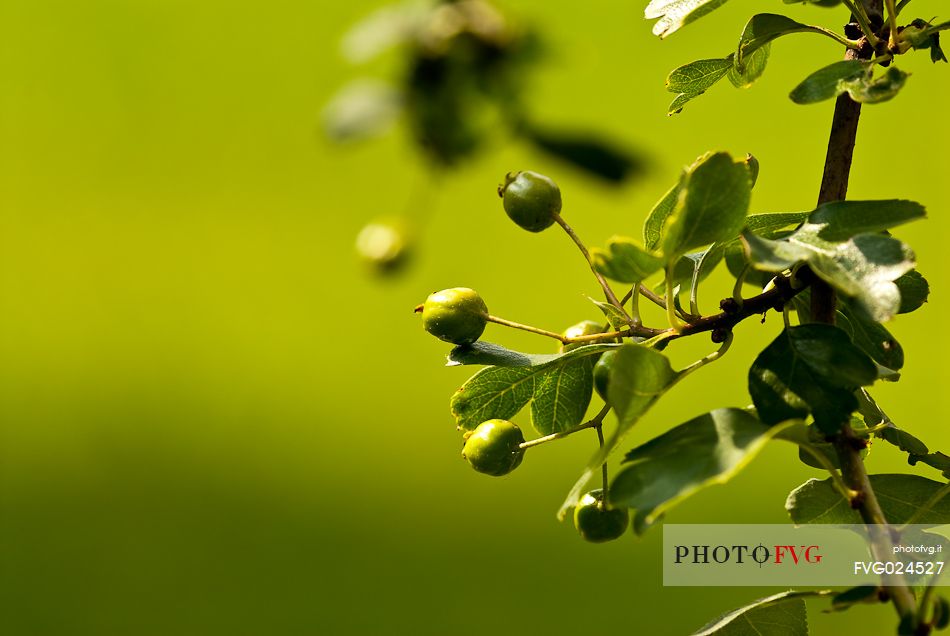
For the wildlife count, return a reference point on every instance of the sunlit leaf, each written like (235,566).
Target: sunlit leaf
(674,14)
(707,450)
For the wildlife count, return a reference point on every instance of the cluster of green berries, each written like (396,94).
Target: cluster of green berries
(459,315)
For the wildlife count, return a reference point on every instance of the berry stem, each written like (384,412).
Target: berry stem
(892,22)
(656,299)
(595,422)
(603,467)
(608,292)
(528,328)
(623,333)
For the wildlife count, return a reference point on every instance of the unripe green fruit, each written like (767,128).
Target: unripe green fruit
(602,373)
(383,245)
(530,199)
(494,448)
(585,328)
(457,315)
(597,523)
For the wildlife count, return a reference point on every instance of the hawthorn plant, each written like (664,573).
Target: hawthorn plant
(835,274)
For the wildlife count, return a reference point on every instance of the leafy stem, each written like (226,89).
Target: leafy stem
(834,187)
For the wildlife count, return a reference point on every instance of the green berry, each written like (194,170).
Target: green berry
(596,522)
(457,315)
(383,245)
(602,373)
(585,328)
(494,448)
(530,199)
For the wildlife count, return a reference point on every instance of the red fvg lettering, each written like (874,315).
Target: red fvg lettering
(796,553)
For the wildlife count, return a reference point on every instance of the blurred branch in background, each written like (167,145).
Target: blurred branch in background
(461,83)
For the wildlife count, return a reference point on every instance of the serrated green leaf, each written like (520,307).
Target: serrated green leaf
(781,614)
(653,227)
(671,15)
(753,66)
(914,290)
(917,451)
(853,77)
(678,103)
(827,82)
(709,449)
(487,353)
(863,268)
(873,338)
(900,496)
(694,79)
(639,376)
(770,224)
(841,220)
(813,369)
(625,261)
(937,460)
(558,390)
(763,28)
(614,316)
(695,264)
(903,440)
(712,206)
(876,90)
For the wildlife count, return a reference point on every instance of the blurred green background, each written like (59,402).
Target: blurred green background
(213,421)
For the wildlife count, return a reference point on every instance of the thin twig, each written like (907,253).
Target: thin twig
(608,292)
(594,422)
